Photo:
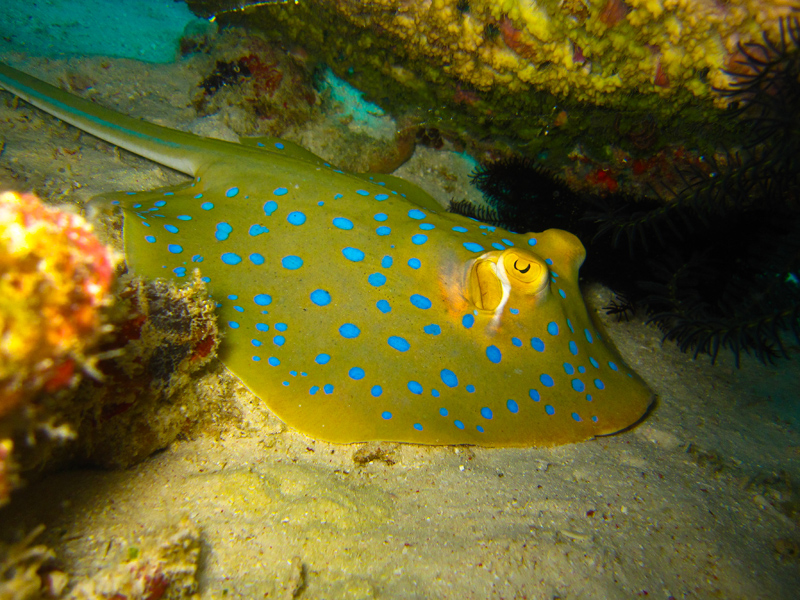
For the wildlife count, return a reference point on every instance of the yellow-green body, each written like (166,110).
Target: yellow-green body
(354,307)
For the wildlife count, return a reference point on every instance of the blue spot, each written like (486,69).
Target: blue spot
(223,231)
(150,238)
(427,226)
(613,366)
(328,388)
(414,263)
(256,258)
(270,207)
(205,279)
(386,415)
(322,359)
(588,397)
(468,320)
(281,326)
(420,301)
(460,229)
(281,191)
(443,411)
(256,358)
(262,327)
(238,309)
(419,239)
(458,424)
(513,311)
(497,246)
(577,385)
(383,230)
(546,380)
(207,205)
(549,261)
(532,242)
(356,373)
(383,306)
(279,340)
(599,384)
(232,192)
(179,271)
(486,413)
(160,203)
(342,223)
(576,416)
(230,258)
(279,146)
(414,387)
(435,393)
(517,342)
(255,342)
(362,192)
(377,279)
(262,299)
(353,254)
(581,369)
(273,361)
(569,369)
(171,228)
(381,217)
(381,197)
(398,343)
(292,262)
(449,378)
(349,331)
(512,406)
(314,389)
(473,247)
(175,248)
(562,293)
(573,348)
(549,409)
(569,324)
(418,426)
(588,336)
(552,328)
(376,391)
(257,230)
(470,388)
(432,329)
(320,297)
(595,364)
(534,395)
(416,214)
(386,262)
(493,354)
(197,258)
(338,196)
(296,218)
(233,324)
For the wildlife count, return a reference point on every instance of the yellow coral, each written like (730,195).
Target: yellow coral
(54,278)
(588,48)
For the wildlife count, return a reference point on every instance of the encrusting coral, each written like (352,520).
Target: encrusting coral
(586,50)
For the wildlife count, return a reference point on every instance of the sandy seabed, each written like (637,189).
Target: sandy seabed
(700,500)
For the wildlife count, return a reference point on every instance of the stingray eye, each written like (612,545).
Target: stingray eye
(484,287)
(528,270)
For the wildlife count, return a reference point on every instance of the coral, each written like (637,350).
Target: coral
(27,572)
(55,278)
(164,335)
(598,52)
(256,88)
(160,566)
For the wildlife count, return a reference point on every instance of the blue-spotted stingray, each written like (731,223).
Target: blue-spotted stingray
(356,308)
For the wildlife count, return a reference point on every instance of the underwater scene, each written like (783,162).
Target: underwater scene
(470,299)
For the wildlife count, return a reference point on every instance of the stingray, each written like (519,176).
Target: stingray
(354,306)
